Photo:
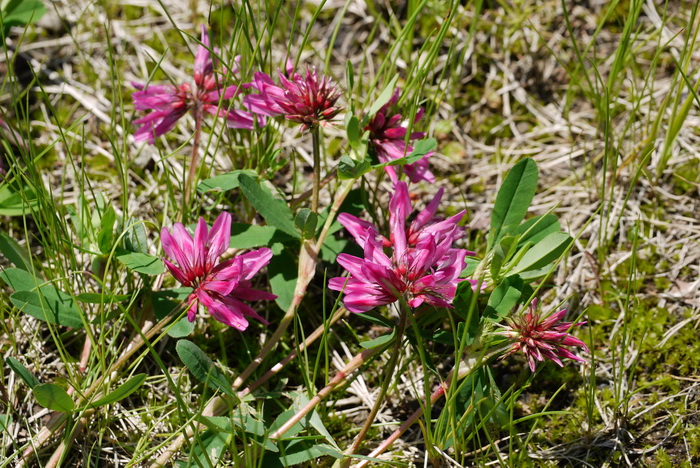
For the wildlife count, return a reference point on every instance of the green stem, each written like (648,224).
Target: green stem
(193,161)
(316,138)
(387,377)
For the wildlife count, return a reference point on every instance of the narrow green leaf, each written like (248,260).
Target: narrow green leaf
(121,392)
(140,262)
(382,99)
(501,254)
(49,305)
(106,234)
(22,372)
(420,149)
(53,397)
(379,341)
(504,298)
(353,130)
(349,75)
(14,252)
(97,298)
(224,182)
(5,421)
(275,211)
(202,367)
(513,200)
(544,252)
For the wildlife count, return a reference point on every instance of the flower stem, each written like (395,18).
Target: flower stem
(335,382)
(193,160)
(387,377)
(316,139)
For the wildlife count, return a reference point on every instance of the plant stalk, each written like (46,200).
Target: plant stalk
(335,382)
(193,160)
(316,139)
(388,375)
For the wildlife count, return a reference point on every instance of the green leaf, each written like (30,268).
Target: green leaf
(382,99)
(275,211)
(106,235)
(22,372)
(379,341)
(224,182)
(21,12)
(53,397)
(5,421)
(135,239)
(504,298)
(248,236)
(513,200)
(349,75)
(306,221)
(282,271)
(544,252)
(97,298)
(502,253)
(50,305)
(19,280)
(354,136)
(16,203)
(349,168)
(208,449)
(466,307)
(420,149)
(535,229)
(202,367)
(14,252)
(298,452)
(121,392)
(140,262)
(181,328)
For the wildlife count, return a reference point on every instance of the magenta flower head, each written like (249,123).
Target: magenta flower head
(168,103)
(422,266)
(218,286)
(541,338)
(309,100)
(387,138)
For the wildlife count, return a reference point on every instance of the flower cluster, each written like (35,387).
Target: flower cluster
(218,286)
(541,338)
(168,103)
(387,138)
(423,265)
(309,100)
